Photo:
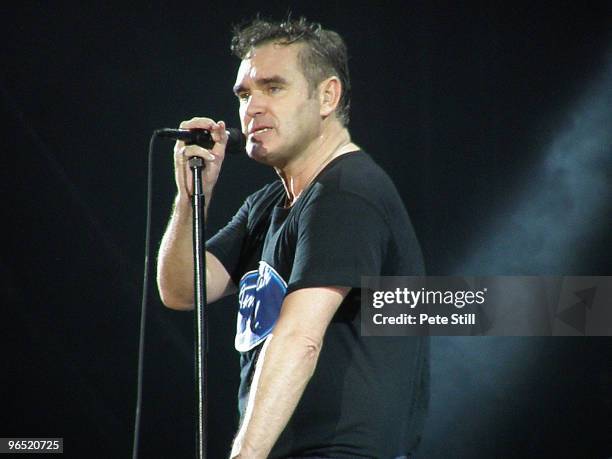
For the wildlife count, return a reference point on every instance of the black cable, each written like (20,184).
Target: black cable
(143,309)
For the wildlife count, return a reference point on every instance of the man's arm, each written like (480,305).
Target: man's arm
(175,266)
(284,367)
(175,260)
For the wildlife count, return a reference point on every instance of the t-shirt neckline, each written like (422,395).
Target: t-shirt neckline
(282,207)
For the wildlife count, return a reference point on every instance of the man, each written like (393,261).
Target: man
(311,386)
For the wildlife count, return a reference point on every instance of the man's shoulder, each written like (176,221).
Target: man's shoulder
(356,173)
(266,193)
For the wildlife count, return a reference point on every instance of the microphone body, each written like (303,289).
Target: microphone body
(236,141)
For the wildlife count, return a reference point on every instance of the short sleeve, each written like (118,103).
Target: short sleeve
(341,237)
(227,243)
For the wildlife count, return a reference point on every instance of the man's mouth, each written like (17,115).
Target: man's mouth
(261,130)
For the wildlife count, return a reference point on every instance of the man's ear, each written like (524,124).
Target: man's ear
(330,91)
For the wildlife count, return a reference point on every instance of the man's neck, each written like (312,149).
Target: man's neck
(299,173)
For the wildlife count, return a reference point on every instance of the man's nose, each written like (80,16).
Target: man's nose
(256,104)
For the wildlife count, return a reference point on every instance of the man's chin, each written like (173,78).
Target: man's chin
(258,152)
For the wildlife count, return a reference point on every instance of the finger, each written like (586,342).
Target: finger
(179,151)
(195,150)
(179,145)
(182,155)
(193,123)
(198,122)
(218,133)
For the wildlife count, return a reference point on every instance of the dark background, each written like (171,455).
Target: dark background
(462,105)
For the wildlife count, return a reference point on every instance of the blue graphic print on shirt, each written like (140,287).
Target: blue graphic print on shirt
(260,297)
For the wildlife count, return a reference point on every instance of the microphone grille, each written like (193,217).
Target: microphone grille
(236,142)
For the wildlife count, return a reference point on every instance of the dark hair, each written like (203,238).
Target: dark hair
(323,56)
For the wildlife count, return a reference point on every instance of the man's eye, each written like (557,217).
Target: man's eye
(244,96)
(274,89)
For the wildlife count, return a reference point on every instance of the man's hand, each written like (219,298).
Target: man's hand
(213,159)
(175,260)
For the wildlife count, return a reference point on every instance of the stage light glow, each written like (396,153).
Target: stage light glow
(563,204)
(561,207)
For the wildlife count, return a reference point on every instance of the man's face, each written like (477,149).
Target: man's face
(277,113)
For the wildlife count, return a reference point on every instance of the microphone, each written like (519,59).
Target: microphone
(236,142)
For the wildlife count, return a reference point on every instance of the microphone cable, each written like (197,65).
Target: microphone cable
(236,144)
(143,307)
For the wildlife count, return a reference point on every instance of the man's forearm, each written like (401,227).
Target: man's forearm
(175,259)
(284,367)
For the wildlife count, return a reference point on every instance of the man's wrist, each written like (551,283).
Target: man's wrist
(242,450)
(181,201)
(182,207)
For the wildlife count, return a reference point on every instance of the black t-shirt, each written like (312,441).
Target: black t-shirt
(368,395)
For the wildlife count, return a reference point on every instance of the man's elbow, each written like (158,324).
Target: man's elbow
(308,348)
(312,349)
(171,295)
(172,300)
